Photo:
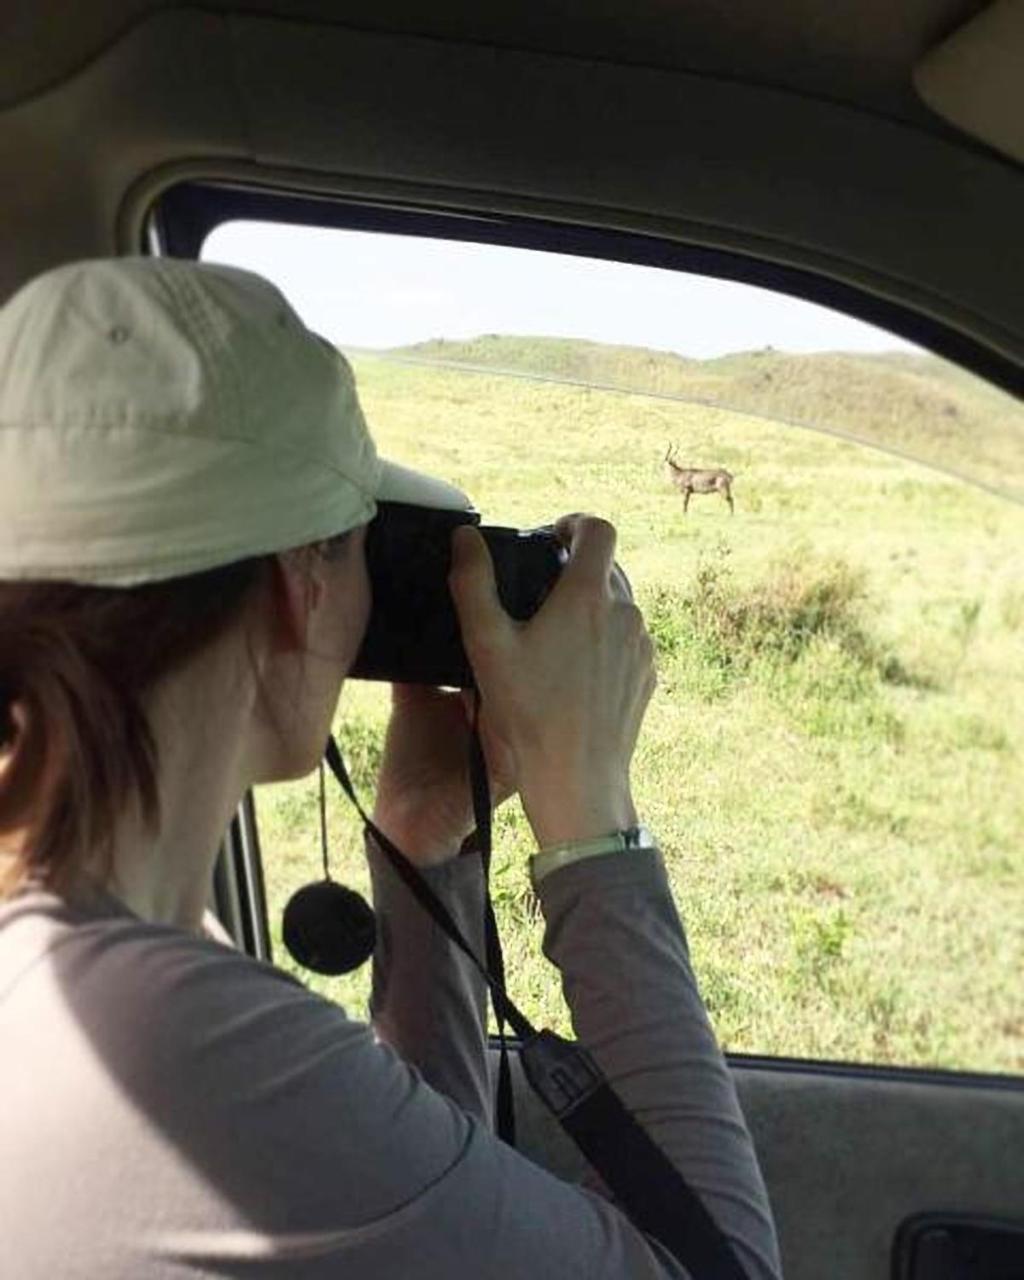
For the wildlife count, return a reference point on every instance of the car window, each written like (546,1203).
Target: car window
(832,760)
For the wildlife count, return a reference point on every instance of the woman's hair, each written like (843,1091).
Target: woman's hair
(78,660)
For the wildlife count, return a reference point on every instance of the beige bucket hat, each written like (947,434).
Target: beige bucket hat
(160,417)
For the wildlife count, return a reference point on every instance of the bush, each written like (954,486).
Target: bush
(799,601)
(778,617)
(800,632)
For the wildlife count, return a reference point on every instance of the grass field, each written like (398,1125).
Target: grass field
(832,761)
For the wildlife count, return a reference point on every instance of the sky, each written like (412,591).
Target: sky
(365,289)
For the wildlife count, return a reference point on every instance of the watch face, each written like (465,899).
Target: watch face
(638,838)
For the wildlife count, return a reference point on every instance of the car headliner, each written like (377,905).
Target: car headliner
(789,134)
(861,52)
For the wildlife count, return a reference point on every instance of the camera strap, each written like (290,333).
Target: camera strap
(644,1182)
(505,1116)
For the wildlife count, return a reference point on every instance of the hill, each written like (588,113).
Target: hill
(916,405)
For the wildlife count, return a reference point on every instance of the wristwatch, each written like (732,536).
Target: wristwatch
(545,861)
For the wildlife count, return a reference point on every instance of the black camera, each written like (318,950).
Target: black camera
(413,633)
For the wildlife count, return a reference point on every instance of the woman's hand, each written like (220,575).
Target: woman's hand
(423,798)
(564,694)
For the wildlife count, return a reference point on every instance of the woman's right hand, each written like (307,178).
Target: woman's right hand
(564,693)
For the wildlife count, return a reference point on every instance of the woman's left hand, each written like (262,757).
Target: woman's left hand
(423,798)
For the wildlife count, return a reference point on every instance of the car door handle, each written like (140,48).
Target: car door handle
(950,1246)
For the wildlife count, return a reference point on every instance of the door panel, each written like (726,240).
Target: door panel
(850,1155)
(958,1247)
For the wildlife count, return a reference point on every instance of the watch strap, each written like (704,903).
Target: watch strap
(548,860)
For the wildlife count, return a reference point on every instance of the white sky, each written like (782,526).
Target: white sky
(371,290)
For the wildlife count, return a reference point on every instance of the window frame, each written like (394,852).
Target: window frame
(184,215)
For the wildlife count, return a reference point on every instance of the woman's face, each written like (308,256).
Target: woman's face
(327,595)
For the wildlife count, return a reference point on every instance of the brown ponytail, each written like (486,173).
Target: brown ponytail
(75,662)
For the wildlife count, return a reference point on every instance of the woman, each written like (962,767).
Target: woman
(185,480)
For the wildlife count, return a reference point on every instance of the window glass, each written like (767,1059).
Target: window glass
(832,760)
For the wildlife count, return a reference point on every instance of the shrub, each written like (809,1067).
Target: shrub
(800,632)
(779,616)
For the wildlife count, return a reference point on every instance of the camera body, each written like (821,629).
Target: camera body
(413,633)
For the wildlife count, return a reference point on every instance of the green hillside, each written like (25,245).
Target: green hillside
(917,405)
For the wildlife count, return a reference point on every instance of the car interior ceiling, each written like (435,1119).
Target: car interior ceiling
(867,60)
(756,170)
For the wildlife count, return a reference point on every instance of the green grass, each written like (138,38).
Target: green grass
(915,404)
(832,760)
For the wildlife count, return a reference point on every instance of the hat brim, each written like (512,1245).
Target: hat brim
(401,484)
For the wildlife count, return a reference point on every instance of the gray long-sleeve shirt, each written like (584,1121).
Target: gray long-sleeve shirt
(172,1108)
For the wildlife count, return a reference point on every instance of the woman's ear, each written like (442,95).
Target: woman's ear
(22,756)
(296,590)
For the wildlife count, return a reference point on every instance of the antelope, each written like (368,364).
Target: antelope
(691,480)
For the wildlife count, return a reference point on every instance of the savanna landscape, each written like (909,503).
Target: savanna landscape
(832,759)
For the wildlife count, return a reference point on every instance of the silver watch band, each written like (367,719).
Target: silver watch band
(544,862)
